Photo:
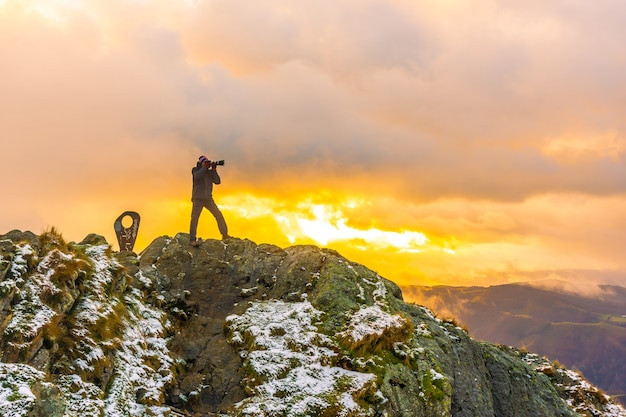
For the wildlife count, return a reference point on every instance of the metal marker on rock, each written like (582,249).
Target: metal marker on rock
(126,236)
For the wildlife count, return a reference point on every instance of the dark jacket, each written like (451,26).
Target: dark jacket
(203,180)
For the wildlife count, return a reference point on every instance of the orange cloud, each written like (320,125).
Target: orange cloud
(573,149)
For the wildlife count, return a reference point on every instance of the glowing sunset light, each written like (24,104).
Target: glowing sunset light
(322,223)
(461,143)
(247,205)
(329,225)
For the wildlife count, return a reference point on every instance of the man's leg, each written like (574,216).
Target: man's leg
(195,215)
(221,223)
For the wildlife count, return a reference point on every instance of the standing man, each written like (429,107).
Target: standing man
(204,176)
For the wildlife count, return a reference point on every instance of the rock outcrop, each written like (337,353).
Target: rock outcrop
(240,329)
(585,331)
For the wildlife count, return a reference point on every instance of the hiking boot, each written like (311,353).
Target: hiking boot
(196,243)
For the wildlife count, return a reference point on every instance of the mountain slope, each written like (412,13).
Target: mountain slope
(584,332)
(245,330)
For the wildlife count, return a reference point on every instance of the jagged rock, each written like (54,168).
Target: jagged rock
(49,401)
(93,239)
(243,329)
(19,236)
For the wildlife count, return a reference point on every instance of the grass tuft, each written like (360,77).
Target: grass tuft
(397,329)
(50,239)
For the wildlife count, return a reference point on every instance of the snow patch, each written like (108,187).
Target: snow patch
(16,396)
(31,314)
(81,398)
(19,267)
(291,364)
(581,396)
(372,323)
(142,363)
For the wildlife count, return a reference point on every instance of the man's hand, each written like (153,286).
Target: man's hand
(213,165)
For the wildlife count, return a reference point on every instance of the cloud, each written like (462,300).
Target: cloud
(425,96)
(493,128)
(585,283)
(339,38)
(573,150)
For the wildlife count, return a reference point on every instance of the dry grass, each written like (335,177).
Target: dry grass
(50,239)
(374,343)
(453,321)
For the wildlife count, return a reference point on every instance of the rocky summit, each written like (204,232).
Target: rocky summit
(237,328)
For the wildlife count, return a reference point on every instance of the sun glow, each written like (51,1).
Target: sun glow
(329,224)
(323,223)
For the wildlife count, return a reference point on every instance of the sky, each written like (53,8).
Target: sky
(439,142)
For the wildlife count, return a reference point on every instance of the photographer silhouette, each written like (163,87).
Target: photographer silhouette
(204,176)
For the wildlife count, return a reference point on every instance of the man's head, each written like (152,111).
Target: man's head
(202,159)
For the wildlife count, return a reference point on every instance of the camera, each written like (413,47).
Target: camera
(208,162)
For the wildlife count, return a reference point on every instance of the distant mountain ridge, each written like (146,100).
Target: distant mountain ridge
(586,332)
(233,328)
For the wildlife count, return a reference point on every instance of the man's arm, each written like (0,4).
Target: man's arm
(215,177)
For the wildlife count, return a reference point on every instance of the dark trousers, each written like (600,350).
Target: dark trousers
(210,205)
